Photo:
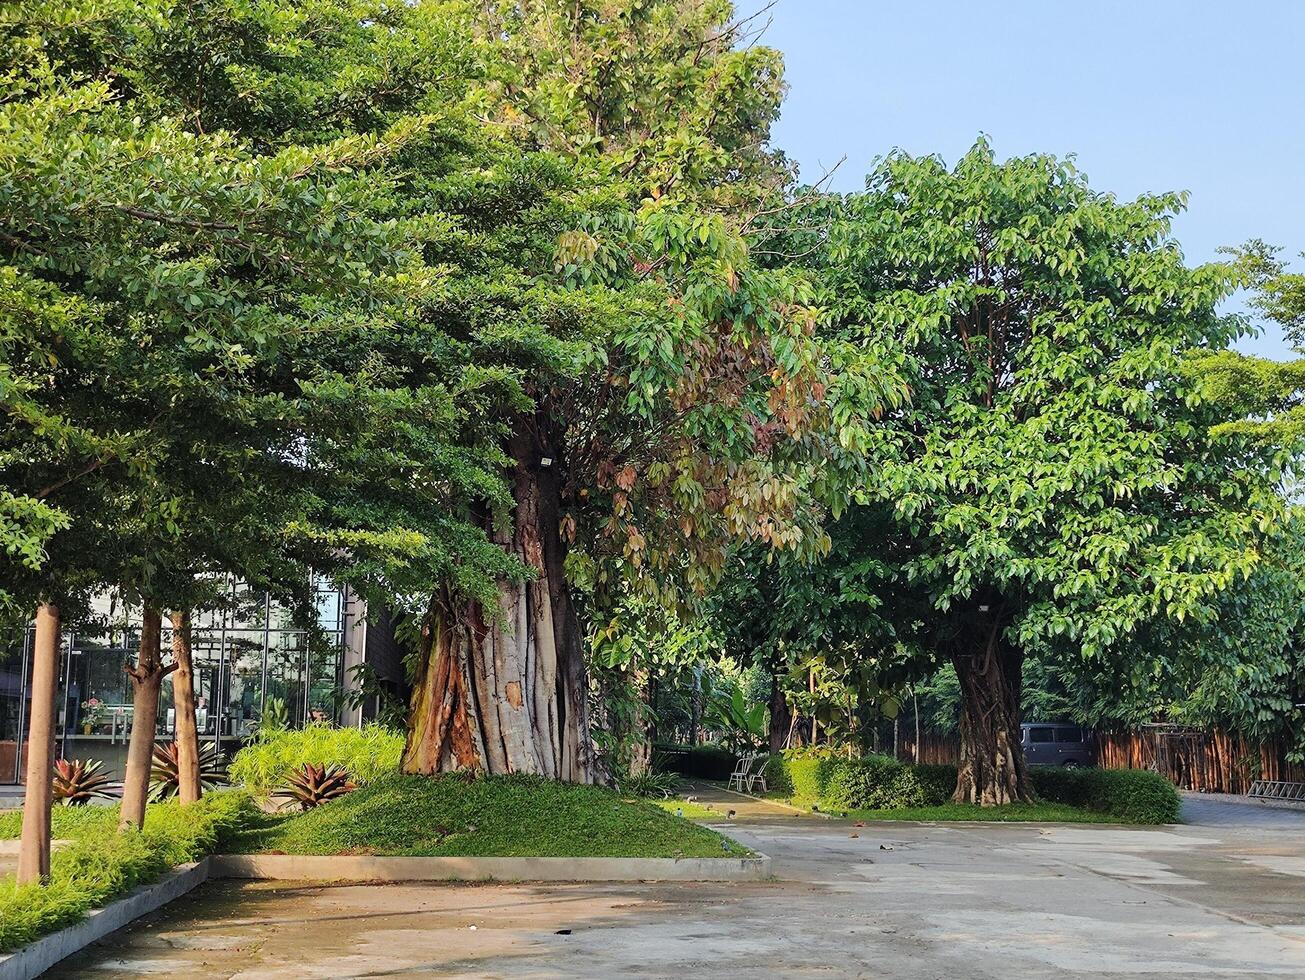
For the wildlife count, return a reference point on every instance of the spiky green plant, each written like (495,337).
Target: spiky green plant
(77,782)
(312,785)
(163,771)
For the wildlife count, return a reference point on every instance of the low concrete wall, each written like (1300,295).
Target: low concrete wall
(381,869)
(36,958)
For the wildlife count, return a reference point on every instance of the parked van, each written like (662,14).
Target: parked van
(1048,744)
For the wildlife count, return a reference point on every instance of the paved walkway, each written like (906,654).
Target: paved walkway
(1222,896)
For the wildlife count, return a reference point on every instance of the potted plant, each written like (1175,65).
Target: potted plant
(94,712)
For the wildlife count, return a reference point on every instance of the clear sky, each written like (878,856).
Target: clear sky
(1150,95)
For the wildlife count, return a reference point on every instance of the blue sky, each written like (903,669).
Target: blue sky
(1150,95)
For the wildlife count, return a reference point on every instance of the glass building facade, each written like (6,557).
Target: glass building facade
(244,656)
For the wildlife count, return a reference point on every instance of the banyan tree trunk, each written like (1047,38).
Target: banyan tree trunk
(504,690)
(183,692)
(34,849)
(146,679)
(992,770)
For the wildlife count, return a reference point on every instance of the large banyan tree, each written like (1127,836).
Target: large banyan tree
(1060,481)
(676,395)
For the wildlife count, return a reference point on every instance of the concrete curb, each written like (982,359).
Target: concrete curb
(34,959)
(358,868)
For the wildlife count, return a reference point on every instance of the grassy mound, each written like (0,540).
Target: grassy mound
(515,816)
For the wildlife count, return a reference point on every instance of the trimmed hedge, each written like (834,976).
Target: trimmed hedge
(1132,795)
(103,864)
(883,783)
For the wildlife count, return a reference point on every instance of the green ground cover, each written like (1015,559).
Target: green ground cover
(101,864)
(966,812)
(515,816)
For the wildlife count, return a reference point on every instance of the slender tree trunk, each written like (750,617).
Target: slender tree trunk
(183,690)
(915,710)
(695,708)
(992,769)
(146,679)
(811,685)
(505,690)
(34,850)
(781,718)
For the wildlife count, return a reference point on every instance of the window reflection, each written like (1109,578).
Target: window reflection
(244,653)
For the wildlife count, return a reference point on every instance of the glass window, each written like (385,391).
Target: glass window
(1041,735)
(1073,735)
(13,677)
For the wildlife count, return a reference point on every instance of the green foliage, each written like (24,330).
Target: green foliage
(1128,795)
(648,784)
(1007,813)
(102,865)
(367,753)
(880,783)
(276,717)
(741,726)
(521,816)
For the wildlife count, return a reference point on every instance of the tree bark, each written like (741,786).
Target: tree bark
(146,679)
(505,690)
(992,770)
(34,849)
(189,788)
(695,707)
(781,720)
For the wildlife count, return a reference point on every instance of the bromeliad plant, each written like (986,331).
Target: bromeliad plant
(77,782)
(312,785)
(163,772)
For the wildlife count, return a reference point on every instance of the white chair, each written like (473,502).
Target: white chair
(760,760)
(740,778)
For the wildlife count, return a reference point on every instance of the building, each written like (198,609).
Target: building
(245,656)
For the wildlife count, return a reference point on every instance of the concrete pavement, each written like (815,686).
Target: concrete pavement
(1223,896)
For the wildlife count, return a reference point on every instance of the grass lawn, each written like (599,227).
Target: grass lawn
(1030,812)
(516,816)
(969,813)
(691,811)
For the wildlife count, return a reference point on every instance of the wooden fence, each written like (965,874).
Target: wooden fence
(1207,762)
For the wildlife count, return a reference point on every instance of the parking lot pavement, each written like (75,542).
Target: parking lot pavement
(1216,897)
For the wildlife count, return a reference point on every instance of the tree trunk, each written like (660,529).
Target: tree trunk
(505,690)
(695,707)
(183,691)
(34,850)
(915,710)
(992,770)
(781,720)
(146,679)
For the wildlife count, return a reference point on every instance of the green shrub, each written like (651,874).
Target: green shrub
(102,864)
(367,753)
(1132,795)
(801,774)
(882,783)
